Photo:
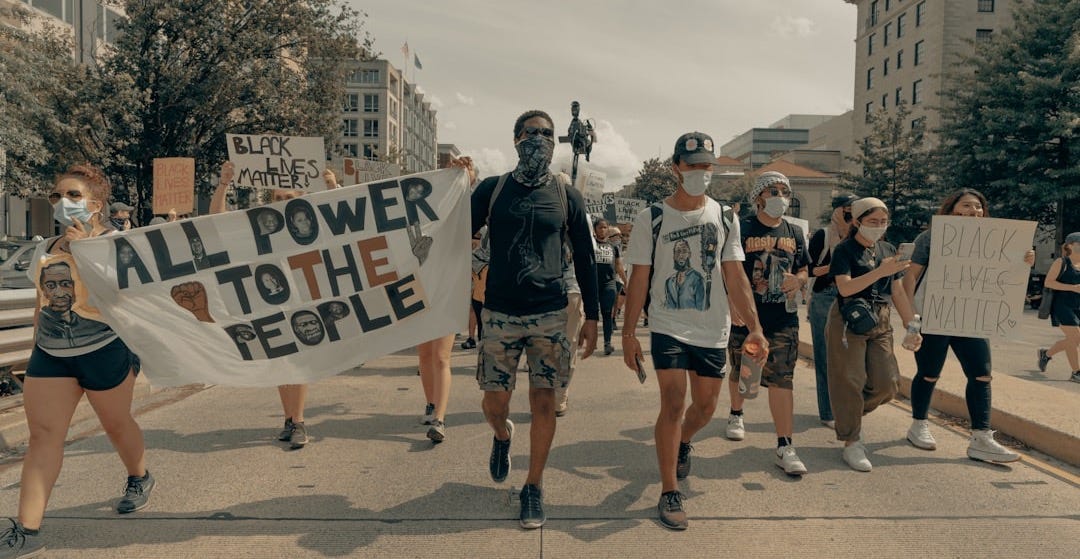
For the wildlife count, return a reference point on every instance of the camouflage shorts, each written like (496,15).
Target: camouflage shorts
(542,337)
(779,370)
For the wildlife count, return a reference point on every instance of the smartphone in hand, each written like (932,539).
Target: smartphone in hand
(904,251)
(640,369)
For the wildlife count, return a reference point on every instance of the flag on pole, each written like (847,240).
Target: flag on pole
(416,61)
(405,49)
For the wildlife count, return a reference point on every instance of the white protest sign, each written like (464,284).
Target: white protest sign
(292,291)
(359,171)
(976,280)
(626,209)
(590,183)
(803,226)
(275,161)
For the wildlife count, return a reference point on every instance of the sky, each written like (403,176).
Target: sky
(644,71)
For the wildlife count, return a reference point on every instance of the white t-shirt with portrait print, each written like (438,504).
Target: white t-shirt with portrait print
(689,298)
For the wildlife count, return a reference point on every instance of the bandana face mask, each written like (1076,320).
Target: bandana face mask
(534,158)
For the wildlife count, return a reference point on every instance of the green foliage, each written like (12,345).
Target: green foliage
(36,103)
(896,169)
(655,180)
(1011,121)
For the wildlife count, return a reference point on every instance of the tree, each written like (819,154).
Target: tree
(186,72)
(37,100)
(1011,120)
(655,180)
(896,169)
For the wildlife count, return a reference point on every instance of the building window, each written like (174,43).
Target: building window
(916,92)
(888,30)
(349,149)
(795,209)
(367,76)
(885,68)
(918,123)
(870,44)
(899,96)
(371,151)
(899,59)
(873,13)
(986,5)
(371,128)
(60,9)
(870,78)
(884,101)
(920,9)
(371,102)
(350,129)
(918,52)
(869,110)
(887,5)
(900,25)
(352,103)
(983,35)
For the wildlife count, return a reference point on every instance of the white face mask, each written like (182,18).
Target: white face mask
(872,234)
(65,210)
(776,206)
(696,181)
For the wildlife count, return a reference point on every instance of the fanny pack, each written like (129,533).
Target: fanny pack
(858,315)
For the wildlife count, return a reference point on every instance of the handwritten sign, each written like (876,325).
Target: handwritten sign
(626,209)
(976,279)
(360,171)
(292,291)
(590,183)
(174,185)
(274,161)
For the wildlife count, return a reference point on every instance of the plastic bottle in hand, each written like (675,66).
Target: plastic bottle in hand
(792,302)
(913,328)
(750,371)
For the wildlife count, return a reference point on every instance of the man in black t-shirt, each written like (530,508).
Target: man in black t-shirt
(529,214)
(776,263)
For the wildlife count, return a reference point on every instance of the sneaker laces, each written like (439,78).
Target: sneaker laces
(14,536)
(134,487)
(673,501)
(684,451)
(530,502)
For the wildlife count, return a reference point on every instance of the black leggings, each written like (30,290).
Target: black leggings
(974,357)
(608,294)
(477,308)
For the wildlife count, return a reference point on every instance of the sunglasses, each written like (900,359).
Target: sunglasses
(537,131)
(785,192)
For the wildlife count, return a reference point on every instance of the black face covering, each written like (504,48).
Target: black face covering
(118,223)
(847,217)
(534,158)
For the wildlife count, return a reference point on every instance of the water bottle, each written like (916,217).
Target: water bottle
(913,328)
(791,304)
(750,371)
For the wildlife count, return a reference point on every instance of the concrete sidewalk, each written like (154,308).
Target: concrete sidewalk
(371,485)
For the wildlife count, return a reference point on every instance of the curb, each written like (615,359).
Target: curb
(1045,438)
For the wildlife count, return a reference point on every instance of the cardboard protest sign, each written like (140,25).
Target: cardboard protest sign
(626,209)
(975,283)
(293,291)
(590,183)
(174,185)
(275,161)
(360,171)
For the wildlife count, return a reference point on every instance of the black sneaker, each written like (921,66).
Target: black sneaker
(437,432)
(532,507)
(299,436)
(1075,376)
(683,468)
(499,464)
(468,344)
(672,514)
(136,494)
(608,349)
(286,432)
(1043,359)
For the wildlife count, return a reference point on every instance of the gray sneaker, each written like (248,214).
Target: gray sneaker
(1044,359)
(682,467)
(437,432)
(1075,376)
(136,494)
(19,543)
(299,436)
(286,432)
(671,511)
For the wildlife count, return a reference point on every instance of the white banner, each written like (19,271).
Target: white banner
(976,281)
(275,161)
(292,291)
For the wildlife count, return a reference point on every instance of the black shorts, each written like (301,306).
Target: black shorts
(669,353)
(102,369)
(1064,315)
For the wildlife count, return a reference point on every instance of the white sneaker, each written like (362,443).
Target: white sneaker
(984,447)
(735,431)
(830,423)
(919,435)
(789,461)
(855,457)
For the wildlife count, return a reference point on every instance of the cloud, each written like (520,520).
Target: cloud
(793,26)
(489,161)
(449,125)
(611,155)
(464,99)
(435,101)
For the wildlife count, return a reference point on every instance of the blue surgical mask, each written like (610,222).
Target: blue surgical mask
(66,210)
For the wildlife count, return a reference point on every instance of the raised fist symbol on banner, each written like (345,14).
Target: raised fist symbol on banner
(192,296)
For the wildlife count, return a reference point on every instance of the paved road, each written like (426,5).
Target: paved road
(371,485)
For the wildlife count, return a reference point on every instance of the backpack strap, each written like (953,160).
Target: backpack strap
(495,194)
(656,212)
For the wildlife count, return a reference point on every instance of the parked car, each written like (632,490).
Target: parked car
(14,262)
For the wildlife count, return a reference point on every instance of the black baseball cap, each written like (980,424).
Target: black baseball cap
(694,148)
(843,200)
